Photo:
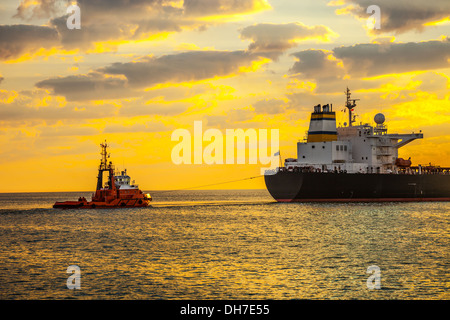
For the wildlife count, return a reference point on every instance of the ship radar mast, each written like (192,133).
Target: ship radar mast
(350,105)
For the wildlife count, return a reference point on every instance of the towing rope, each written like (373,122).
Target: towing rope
(207,185)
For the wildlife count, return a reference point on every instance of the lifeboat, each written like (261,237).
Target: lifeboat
(118,192)
(402,163)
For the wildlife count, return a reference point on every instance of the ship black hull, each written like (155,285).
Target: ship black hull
(286,186)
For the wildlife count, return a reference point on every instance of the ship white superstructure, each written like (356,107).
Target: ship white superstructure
(351,149)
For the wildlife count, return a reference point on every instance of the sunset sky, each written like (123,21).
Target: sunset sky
(138,70)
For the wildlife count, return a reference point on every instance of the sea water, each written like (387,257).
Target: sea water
(223,244)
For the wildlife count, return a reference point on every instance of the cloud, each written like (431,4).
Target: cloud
(36,9)
(181,67)
(16,40)
(397,16)
(317,64)
(223,7)
(138,20)
(91,86)
(274,39)
(114,21)
(372,59)
(122,79)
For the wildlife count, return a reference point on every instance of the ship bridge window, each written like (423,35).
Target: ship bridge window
(337,148)
(345,148)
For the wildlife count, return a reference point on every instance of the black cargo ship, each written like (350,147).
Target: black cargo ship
(355,164)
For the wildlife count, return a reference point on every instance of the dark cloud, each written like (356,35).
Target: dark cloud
(92,86)
(317,64)
(371,59)
(85,37)
(274,39)
(94,9)
(221,7)
(106,20)
(376,59)
(400,15)
(181,67)
(121,79)
(16,40)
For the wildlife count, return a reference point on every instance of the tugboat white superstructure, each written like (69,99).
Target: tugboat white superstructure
(355,163)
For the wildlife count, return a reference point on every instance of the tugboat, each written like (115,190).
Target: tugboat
(117,192)
(355,164)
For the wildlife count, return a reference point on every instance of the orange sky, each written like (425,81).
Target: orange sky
(138,70)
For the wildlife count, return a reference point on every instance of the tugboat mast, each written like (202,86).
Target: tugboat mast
(103,165)
(104,155)
(350,105)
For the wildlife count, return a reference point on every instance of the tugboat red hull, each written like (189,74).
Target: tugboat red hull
(118,203)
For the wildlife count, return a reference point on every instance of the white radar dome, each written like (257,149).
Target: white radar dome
(379,118)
